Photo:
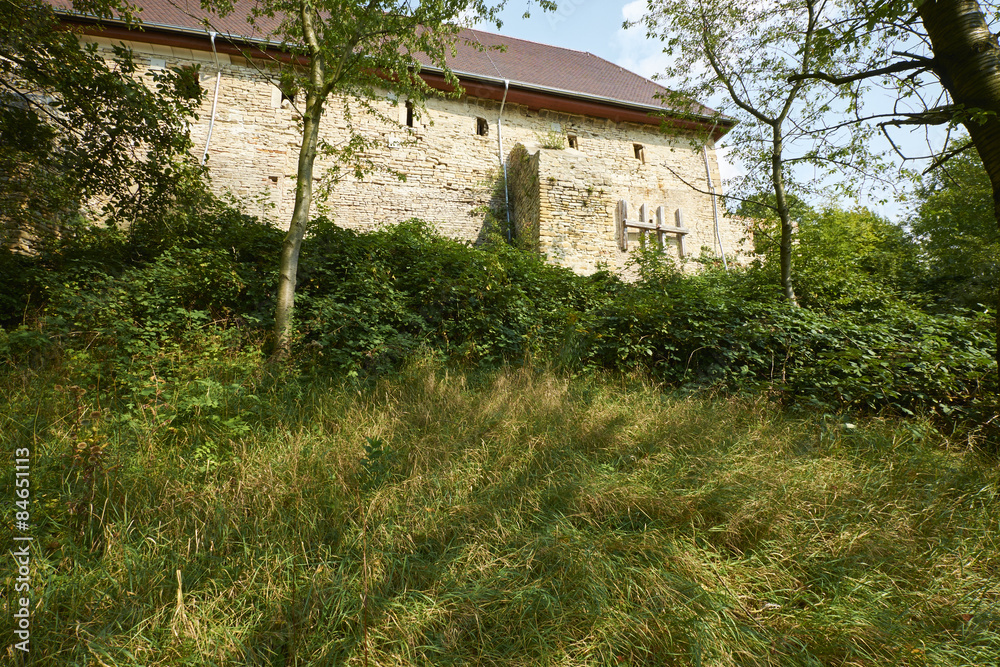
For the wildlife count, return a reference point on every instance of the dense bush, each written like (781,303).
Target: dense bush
(734,329)
(122,295)
(373,298)
(368,301)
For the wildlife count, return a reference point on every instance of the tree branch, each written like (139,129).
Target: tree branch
(67,127)
(892,143)
(941,160)
(715,194)
(919,64)
(722,76)
(938,116)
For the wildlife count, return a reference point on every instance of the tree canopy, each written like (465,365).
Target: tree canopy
(81,131)
(957,232)
(748,52)
(942,59)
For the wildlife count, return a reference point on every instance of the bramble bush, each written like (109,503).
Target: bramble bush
(733,329)
(369,301)
(372,299)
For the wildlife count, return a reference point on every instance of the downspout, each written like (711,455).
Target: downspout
(503,162)
(215,98)
(715,206)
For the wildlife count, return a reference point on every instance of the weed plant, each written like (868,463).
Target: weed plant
(372,300)
(368,302)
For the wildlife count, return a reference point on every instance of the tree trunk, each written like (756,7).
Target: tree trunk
(292,245)
(781,202)
(967,61)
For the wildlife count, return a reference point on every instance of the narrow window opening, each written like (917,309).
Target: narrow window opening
(409,113)
(482,127)
(573,143)
(288,87)
(640,152)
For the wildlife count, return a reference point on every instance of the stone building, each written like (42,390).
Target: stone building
(579,136)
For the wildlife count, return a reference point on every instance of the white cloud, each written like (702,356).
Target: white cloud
(633,11)
(728,169)
(634,51)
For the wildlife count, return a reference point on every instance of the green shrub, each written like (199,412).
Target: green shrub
(108,300)
(729,329)
(373,298)
(367,302)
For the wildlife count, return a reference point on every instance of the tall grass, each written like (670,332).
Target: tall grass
(221,513)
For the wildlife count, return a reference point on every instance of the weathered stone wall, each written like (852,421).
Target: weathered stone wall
(450,169)
(580,195)
(525,196)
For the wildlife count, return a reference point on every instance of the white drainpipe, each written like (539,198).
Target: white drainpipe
(215,98)
(715,207)
(503,162)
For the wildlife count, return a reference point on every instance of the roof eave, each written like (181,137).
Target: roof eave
(719,125)
(720,120)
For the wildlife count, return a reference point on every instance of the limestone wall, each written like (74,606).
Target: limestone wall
(525,196)
(580,195)
(450,169)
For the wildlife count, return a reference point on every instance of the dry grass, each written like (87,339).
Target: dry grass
(522,518)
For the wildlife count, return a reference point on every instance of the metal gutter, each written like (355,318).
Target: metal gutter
(715,207)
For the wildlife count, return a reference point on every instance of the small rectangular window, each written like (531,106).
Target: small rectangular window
(409,113)
(572,140)
(482,127)
(640,152)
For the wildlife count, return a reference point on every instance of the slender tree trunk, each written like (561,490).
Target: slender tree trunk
(288,269)
(781,201)
(967,60)
(292,245)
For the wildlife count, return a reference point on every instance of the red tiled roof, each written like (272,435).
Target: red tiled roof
(188,15)
(553,67)
(521,62)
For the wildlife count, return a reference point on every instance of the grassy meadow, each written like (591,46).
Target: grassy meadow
(469,455)
(223,511)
